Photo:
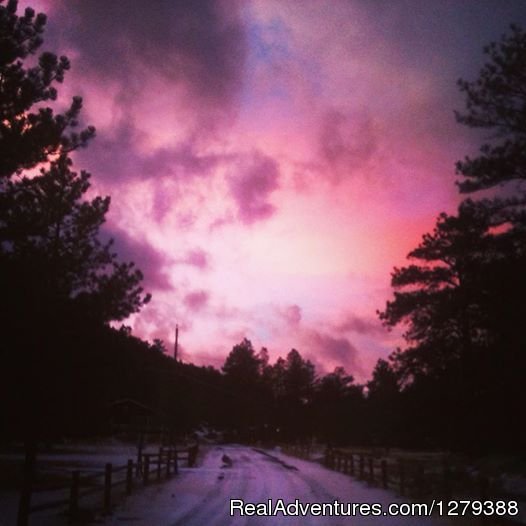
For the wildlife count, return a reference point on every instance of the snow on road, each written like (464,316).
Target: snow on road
(201,496)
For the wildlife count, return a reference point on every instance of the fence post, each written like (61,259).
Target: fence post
(446,479)
(74,495)
(129,477)
(176,461)
(192,456)
(346,464)
(385,483)
(107,488)
(402,477)
(371,470)
(159,463)
(27,483)
(168,462)
(483,487)
(139,454)
(146,469)
(339,461)
(361,466)
(352,464)
(421,480)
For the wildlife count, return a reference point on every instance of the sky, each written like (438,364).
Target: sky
(269,161)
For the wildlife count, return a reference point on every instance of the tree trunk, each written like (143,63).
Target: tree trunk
(24,504)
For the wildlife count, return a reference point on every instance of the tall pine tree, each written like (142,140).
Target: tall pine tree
(462,300)
(58,280)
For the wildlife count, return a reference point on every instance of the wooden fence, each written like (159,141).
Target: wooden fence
(407,477)
(148,468)
(412,478)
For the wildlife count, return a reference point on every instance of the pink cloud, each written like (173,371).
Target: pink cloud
(347,143)
(197,258)
(292,315)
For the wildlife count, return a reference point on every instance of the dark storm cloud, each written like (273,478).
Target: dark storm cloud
(151,262)
(354,323)
(428,33)
(255,179)
(201,44)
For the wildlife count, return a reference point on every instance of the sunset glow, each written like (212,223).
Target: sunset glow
(270,162)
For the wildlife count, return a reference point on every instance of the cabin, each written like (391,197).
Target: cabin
(130,418)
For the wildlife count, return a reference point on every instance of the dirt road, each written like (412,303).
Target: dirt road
(201,496)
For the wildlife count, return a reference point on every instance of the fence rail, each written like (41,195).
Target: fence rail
(87,482)
(411,478)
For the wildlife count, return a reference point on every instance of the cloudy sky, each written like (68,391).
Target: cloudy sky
(270,161)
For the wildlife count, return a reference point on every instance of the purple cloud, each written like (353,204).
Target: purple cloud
(354,323)
(196,300)
(149,260)
(197,258)
(346,143)
(251,186)
(323,347)
(292,315)
(116,158)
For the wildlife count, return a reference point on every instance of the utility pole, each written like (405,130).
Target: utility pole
(176,341)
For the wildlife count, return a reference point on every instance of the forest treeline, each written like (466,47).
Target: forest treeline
(456,383)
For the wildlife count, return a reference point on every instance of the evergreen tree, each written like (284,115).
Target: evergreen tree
(30,131)
(58,281)
(56,276)
(438,298)
(242,366)
(496,101)
(299,378)
(250,397)
(462,301)
(337,407)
